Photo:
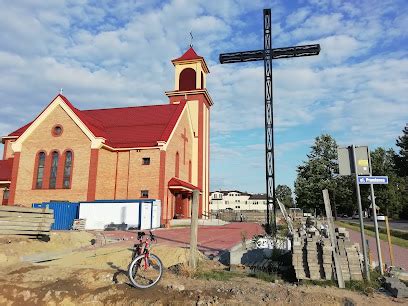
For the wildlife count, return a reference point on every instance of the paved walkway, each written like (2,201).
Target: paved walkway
(211,239)
(400,253)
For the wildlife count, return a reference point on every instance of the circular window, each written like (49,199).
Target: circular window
(57,130)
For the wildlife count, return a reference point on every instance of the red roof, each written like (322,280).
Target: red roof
(192,55)
(189,55)
(128,127)
(176,182)
(6,167)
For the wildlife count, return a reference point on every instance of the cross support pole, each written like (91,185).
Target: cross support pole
(266,55)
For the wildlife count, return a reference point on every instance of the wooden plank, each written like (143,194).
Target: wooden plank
(26,209)
(21,214)
(339,273)
(22,232)
(389,241)
(24,223)
(25,227)
(24,219)
(31,233)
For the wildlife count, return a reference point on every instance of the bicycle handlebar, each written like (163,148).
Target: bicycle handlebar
(140,235)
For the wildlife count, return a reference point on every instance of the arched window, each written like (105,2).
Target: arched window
(187,79)
(66,182)
(177,172)
(40,170)
(54,169)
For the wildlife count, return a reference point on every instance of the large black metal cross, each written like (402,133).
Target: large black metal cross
(267,54)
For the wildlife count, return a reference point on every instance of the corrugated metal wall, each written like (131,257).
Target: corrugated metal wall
(64,213)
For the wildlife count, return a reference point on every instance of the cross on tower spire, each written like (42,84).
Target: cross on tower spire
(267,54)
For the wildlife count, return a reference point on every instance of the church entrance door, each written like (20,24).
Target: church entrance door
(182,206)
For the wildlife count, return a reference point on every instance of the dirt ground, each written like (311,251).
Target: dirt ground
(71,271)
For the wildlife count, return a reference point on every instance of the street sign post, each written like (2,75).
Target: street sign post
(383,180)
(357,161)
(376,180)
(360,213)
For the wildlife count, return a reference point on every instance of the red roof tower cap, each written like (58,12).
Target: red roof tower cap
(191,55)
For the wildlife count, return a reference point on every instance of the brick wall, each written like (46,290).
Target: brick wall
(105,180)
(7,152)
(144,177)
(176,144)
(1,195)
(131,175)
(41,139)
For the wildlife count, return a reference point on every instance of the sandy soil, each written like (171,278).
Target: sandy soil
(96,276)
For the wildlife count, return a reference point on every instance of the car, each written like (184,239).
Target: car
(344,216)
(380,218)
(356,216)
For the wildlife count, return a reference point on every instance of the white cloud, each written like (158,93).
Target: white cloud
(297,17)
(118,53)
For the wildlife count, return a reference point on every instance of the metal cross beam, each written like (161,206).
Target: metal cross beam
(267,54)
(277,53)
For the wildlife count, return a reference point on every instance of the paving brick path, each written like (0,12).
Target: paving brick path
(211,239)
(400,253)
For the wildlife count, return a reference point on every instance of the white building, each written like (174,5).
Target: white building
(236,200)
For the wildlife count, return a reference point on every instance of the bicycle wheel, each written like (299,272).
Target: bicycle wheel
(144,274)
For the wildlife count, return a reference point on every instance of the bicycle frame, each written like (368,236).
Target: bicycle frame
(142,248)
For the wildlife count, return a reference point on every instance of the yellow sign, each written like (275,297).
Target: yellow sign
(363,163)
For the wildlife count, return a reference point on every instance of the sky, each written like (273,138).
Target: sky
(118,53)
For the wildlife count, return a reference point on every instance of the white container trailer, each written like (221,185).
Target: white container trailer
(156,214)
(141,214)
(98,215)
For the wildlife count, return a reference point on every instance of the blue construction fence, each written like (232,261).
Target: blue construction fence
(65,212)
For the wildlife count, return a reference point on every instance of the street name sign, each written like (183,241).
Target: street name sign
(373,180)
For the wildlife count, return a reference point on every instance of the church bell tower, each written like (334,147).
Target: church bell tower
(190,80)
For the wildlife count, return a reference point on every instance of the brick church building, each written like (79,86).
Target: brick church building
(157,152)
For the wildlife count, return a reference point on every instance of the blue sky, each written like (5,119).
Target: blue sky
(117,53)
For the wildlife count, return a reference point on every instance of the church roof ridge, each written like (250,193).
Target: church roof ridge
(122,107)
(126,127)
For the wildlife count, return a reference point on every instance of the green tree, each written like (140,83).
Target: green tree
(316,174)
(387,196)
(403,196)
(284,194)
(401,160)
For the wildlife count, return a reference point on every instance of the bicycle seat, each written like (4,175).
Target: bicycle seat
(140,235)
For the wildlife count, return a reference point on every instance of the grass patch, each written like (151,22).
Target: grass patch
(364,286)
(220,275)
(264,276)
(358,286)
(395,240)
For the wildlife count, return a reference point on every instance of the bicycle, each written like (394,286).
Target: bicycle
(146,269)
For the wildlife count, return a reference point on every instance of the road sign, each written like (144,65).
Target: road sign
(346,160)
(373,180)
